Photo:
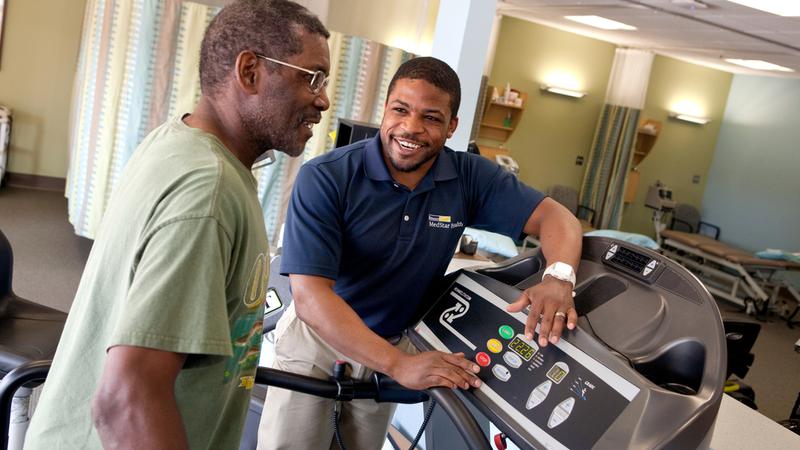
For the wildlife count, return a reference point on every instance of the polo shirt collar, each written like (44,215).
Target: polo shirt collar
(444,168)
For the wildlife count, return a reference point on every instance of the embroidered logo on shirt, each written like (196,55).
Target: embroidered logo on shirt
(441,221)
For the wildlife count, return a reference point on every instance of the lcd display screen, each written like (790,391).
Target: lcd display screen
(522,348)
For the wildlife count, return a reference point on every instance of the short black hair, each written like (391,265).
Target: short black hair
(435,72)
(269,27)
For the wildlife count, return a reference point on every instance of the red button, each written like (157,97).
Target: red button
(482,359)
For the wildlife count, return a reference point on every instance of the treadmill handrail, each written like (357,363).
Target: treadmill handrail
(29,372)
(381,388)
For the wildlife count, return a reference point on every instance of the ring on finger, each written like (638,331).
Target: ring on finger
(562,315)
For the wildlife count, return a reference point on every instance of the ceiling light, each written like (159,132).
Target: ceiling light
(689,118)
(785,8)
(600,22)
(758,64)
(563,91)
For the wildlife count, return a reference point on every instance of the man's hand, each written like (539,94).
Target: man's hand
(433,369)
(550,300)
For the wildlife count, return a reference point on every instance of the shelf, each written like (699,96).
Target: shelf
(496,116)
(497,127)
(503,105)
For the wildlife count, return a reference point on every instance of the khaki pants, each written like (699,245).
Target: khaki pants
(292,420)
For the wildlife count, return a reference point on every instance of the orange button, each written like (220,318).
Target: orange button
(483,359)
(494,346)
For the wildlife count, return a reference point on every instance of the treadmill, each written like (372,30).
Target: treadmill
(644,368)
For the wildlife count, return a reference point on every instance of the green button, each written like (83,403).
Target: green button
(506,332)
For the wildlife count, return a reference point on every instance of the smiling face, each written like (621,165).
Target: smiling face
(282,114)
(416,123)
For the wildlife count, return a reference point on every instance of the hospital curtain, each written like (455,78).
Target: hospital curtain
(603,185)
(137,67)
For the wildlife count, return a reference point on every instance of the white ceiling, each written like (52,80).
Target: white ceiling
(699,35)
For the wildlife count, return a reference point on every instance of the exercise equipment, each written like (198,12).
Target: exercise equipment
(29,332)
(645,367)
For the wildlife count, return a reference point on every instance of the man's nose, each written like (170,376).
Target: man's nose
(322,102)
(413,124)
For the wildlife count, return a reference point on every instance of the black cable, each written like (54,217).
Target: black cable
(336,432)
(428,413)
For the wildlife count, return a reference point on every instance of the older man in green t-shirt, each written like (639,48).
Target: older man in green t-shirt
(161,345)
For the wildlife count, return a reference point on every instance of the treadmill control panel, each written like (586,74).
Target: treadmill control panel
(559,395)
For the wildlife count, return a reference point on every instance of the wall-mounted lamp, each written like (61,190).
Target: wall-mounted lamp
(563,91)
(689,118)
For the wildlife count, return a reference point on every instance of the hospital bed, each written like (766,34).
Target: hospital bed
(731,273)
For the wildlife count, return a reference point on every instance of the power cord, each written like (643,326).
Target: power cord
(337,412)
(428,413)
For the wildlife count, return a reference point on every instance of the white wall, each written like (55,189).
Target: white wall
(753,190)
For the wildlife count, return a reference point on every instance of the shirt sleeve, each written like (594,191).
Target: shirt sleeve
(177,298)
(497,200)
(312,239)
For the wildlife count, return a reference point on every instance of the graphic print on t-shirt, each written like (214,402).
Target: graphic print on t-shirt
(246,332)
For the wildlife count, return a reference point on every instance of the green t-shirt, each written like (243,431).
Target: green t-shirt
(180,264)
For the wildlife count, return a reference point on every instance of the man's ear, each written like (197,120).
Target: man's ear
(247,73)
(452,127)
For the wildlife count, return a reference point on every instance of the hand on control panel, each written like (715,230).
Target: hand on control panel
(434,369)
(550,300)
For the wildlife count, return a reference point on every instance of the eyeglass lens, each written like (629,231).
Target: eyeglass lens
(318,82)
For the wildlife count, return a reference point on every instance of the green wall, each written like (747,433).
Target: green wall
(553,130)
(39,58)
(682,150)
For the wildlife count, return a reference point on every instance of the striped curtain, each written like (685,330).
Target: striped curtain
(603,186)
(138,66)
(609,159)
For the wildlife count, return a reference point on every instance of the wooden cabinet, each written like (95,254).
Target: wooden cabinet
(646,136)
(499,119)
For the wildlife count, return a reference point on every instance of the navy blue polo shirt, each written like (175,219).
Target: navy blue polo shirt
(383,244)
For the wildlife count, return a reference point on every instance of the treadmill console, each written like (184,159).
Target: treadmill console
(644,368)
(554,392)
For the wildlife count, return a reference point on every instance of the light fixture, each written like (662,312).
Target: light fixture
(689,118)
(600,22)
(563,91)
(758,64)
(785,8)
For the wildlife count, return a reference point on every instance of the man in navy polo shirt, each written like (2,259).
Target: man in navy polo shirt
(370,228)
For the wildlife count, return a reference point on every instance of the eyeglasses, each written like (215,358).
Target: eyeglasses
(318,79)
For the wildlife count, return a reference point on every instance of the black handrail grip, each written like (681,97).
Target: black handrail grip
(17,378)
